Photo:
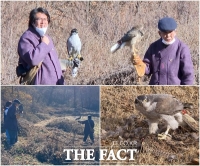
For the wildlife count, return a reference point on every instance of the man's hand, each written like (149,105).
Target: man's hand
(45,39)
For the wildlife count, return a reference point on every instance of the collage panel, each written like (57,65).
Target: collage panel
(143,125)
(100,42)
(49,125)
(108,56)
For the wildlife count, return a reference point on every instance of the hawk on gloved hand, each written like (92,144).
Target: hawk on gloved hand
(162,106)
(129,39)
(74,50)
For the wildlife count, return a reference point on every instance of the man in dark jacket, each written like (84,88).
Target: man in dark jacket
(11,121)
(6,107)
(89,129)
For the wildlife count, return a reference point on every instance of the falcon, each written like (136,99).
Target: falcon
(162,106)
(129,39)
(74,50)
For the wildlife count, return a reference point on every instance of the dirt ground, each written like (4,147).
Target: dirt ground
(43,142)
(100,24)
(124,126)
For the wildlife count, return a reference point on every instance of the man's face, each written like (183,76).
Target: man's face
(167,36)
(41,20)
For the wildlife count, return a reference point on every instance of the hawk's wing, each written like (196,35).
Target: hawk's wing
(69,46)
(128,36)
(167,104)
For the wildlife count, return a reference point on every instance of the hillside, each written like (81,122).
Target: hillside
(48,124)
(100,25)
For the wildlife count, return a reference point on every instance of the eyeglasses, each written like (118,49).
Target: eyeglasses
(41,19)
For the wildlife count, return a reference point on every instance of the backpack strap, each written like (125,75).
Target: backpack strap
(28,79)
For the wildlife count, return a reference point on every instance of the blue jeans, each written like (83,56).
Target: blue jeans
(7,137)
(13,136)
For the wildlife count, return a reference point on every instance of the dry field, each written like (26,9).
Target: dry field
(121,122)
(100,25)
(43,137)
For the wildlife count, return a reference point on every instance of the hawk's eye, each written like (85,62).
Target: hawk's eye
(145,99)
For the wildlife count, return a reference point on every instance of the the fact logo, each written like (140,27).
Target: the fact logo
(104,154)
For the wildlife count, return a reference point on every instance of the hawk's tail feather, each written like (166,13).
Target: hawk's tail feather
(122,45)
(115,47)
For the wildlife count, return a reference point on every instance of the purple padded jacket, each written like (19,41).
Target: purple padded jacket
(32,51)
(169,65)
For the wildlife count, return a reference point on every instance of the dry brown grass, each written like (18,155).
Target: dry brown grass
(117,106)
(100,25)
(43,142)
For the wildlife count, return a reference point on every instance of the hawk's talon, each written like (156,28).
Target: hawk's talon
(70,59)
(79,56)
(163,136)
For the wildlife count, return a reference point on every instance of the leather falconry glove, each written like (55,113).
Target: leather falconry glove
(139,65)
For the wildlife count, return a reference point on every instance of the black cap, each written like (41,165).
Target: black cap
(17,101)
(167,24)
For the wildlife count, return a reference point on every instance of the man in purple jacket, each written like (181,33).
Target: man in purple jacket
(35,46)
(168,60)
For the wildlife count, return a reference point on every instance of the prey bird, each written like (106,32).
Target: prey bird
(129,39)
(162,106)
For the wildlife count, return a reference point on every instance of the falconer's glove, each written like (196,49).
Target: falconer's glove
(139,65)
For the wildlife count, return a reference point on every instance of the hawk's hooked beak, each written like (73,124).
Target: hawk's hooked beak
(137,101)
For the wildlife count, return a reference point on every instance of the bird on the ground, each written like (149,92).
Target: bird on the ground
(78,118)
(161,106)
(129,39)
(74,50)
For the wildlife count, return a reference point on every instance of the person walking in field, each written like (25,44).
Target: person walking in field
(168,60)
(36,48)
(11,123)
(88,129)
(6,107)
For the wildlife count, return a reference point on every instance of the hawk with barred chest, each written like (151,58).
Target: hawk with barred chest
(74,44)
(74,50)
(129,39)
(161,106)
